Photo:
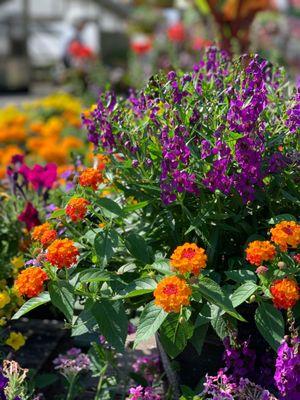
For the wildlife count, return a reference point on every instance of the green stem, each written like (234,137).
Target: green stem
(71,388)
(99,386)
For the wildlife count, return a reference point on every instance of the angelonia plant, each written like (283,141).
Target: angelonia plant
(171,223)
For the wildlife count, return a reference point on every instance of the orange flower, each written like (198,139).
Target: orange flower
(62,253)
(38,231)
(259,251)
(188,258)
(90,177)
(30,281)
(286,233)
(285,293)
(48,237)
(171,293)
(77,208)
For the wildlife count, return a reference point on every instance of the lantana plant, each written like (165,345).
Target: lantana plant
(197,166)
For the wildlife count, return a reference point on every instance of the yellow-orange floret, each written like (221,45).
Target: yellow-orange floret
(39,231)
(62,253)
(188,258)
(30,282)
(286,234)
(285,293)
(259,251)
(90,177)
(48,237)
(76,208)
(172,293)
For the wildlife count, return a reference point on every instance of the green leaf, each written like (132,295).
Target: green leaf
(218,322)
(241,275)
(138,248)
(94,275)
(198,337)
(162,266)
(58,213)
(84,323)
(151,319)
(270,324)
(204,316)
(110,206)
(112,321)
(214,294)
(104,245)
(243,293)
(43,380)
(281,217)
(174,335)
(134,207)
(139,287)
(31,304)
(61,294)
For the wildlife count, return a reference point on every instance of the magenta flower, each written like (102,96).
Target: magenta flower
(40,177)
(29,216)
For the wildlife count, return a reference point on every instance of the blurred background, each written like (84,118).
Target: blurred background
(84,45)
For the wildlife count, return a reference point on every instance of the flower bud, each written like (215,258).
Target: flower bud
(281,265)
(252,298)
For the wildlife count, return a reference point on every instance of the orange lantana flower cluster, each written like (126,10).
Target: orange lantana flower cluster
(285,293)
(76,208)
(91,177)
(188,258)
(44,234)
(286,234)
(62,253)
(30,282)
(259,251)
(172,293)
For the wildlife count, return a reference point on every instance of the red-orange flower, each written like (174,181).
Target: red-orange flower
(48,237)
(171,293)
(285,293)
(259,251)
(62,253)
(77,208)
(39,230)
(30,282)
(90,177)
(188,258)
(286,234)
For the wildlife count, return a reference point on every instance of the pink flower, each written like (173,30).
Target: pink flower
(261,270)
(29,216)
(40,177)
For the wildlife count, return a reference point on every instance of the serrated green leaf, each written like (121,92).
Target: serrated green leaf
(243,293)
(31,304)
(61,294)
(162,266)
(198,337)
(134,207)
(281,217)
(94,275)
(110,206)
(58,213)
(218,322)
(174,335)
(241,275)
(214,294)
(270,324)
(151,319)
(112,321)
(138,248)
(139,287)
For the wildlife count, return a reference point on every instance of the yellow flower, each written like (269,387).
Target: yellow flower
(4,299)
(15,340)
(17,262)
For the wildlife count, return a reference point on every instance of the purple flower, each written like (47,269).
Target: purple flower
(140,393)
(287,374)
(148,366)
(72,363)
